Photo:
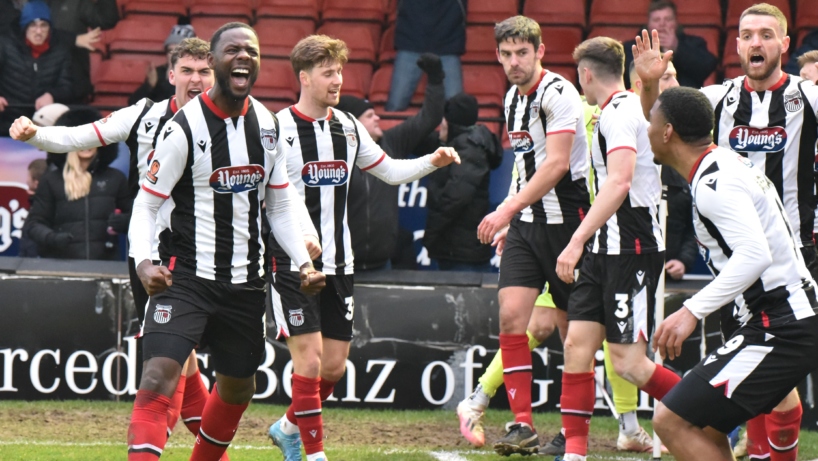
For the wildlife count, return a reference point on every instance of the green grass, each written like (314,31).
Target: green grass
(79,430)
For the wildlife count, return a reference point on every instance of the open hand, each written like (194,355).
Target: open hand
(649,61)
(499,242)
(492,224)
(444,156)
(672,332)
(88,39)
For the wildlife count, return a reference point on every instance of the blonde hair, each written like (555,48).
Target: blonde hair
(807,58)
(765,9)
(77,179)
(315,50)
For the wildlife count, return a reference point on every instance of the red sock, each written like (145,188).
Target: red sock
(661,382)
(577,407)
(175,407)
(757,446)
(307,409)
(193,403)
(219,423)
(149,421)
(783,428)
(517,375)
(325,389)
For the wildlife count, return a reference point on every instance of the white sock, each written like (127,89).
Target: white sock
(628,424)
(478,399)
(288,427)
(316,456)
(562,431)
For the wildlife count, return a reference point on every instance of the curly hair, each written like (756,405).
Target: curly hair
(689,112)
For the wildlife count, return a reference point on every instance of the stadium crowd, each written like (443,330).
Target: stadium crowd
(580,220)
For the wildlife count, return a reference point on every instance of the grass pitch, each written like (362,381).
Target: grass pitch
(79,430)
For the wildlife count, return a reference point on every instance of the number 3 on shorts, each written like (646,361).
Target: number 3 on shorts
(350,303)
(621,305)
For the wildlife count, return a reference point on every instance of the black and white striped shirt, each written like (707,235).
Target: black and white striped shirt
(320,155)
(138,126)
(634,227)
(552,106)
(753,248)
(215,169)
(776,129)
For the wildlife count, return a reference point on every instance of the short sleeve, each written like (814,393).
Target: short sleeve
(169,160)
(117,126)
(562,107)
(811,93)
(620,125)
(370,153)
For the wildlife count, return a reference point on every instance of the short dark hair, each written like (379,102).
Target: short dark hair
(37,168)
(193,47)
(518,28)
(661,5)
(765,9)
(214,40)
(689,112)
(606,56)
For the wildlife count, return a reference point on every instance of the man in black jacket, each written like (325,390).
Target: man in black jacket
(83,20)
(156,86)
(373,204)
(35,67)
(459,197)
(693,61)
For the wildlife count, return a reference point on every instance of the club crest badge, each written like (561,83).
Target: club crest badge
(793,101)
(296,317)
(535,109)
(352,138)
(268,138)
(162,313)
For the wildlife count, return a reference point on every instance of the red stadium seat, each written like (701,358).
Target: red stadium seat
(276,82)
(556,12)
(709,34)
(560,43)
(362,72)
(354,81)
(486,83)
(623,34)
(277,37)
(302,9)
(120,76)
(231,10)
(382,81)
(491,11)
(362,47)
(491,112)
(698,13)
(806,16)
(736,7)
(391,11)
(354,10)
(154,7)
(480,45)
(112,101)
(131,35)
(96,62)
(733,71)
(387,51)
(205,26)
(619,12)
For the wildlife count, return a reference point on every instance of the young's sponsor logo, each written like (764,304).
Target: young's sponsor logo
(236,179)
(325,173)
(521,141)
(749,139)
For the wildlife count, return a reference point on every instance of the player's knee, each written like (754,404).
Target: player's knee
(160,375)
(236,391)
(334,372)
(512,321)
(665,422)
(576,353)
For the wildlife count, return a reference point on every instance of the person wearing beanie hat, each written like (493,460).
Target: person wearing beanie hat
(156,86)
(35,67)
(459,197)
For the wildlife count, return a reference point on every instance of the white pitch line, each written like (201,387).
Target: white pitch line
(55,443)
(446,456)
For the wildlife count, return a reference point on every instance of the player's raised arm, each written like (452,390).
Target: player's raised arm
(650,64)
(60,139)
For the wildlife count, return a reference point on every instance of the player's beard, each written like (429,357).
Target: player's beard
(763,73)
(523,80)
(223,80)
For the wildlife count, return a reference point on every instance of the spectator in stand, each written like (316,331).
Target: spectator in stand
(9,13)
(418,32)
(808,63)
(693,61)
(159,89)
(83,20)
(373,204)
(78,211)
(35,67)
(681,249)
(459,197)
(809,43)
(36,170)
